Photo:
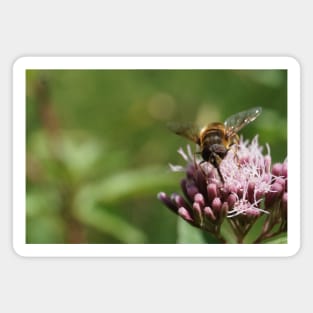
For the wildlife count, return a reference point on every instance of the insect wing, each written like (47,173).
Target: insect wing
(239,120)
(187,130)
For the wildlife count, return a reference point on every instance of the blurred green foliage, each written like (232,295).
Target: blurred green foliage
(98,148)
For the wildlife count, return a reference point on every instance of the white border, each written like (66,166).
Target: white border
(155,250)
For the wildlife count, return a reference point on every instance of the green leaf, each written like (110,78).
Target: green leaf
(227,232)
(79,152)
(130,183)
(72,156)
(42,201)
(255,230)
(210,238)
(279,239)
(92,201)
(109,223)
(45,229)
(188,234)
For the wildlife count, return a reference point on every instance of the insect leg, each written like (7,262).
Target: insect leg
(216,161)
(220,175)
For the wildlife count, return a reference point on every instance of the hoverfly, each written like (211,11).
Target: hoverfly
(216,139)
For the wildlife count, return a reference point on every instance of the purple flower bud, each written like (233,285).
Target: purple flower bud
(282,181)
(191,190)
(224,210)
(273,195)
(240,193)
(277,189)
(252,212)
(183,185)
(212,192)
(277,169)
(197,213)
(251,188)
(185,215)
(216,205)
(244,160)
(231,200)
(209,213)
(179,200)
(231,189)
(199,199)
(284,170)
(190,170)
(266,178)
(167,201)
(200,181)
(259,194)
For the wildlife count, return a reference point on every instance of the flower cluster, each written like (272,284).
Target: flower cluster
(252,188)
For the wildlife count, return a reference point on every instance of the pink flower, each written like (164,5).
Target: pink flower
(251,189)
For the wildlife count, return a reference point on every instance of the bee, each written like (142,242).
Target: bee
(216,139)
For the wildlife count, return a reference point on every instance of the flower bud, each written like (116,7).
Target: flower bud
(277,169)
(167,201)
(252,212)
(190,170)
(273,195)
(284,170)
(251,188)
(199,199)
(209,213)
(197,213)
(179,200)
(281,181)
(231,200)
(224,211)
(185,215)
(216,205)
(212,192)
(191,190)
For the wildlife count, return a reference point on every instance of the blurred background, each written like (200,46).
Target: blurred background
(98,147)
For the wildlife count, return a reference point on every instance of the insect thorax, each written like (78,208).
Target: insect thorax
(212,134)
